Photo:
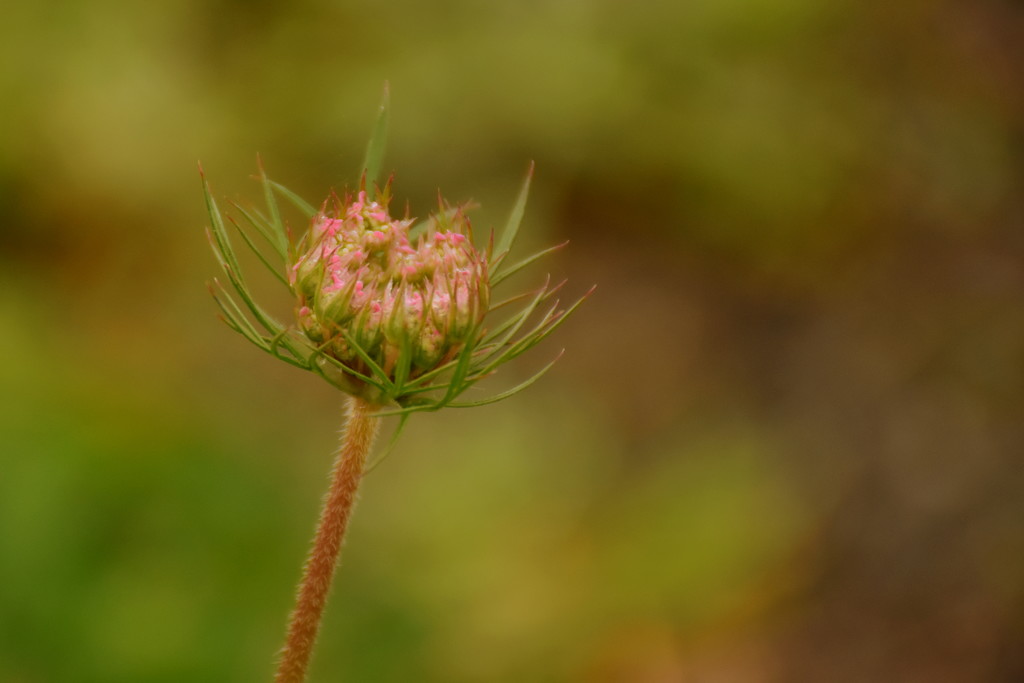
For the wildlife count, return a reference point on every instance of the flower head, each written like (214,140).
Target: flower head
(362,282)
(398,321)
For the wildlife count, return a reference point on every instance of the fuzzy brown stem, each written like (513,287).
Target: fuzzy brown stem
(356,441)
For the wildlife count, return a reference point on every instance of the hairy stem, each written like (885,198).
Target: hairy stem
(356,441)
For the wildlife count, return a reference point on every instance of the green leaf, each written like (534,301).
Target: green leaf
(508,352)
(508,237)
(549,324)
(404,364)
(262,317)
(318,352)
(280,234)
(378,372)
(511,392)
(233,315)
(426,377)
(518,320)
(512,270)
(259,254)
(225,255)
(301,204)
(262,227)
(410,390)
(378,140)
(234,279)
(221,245)
(457,384)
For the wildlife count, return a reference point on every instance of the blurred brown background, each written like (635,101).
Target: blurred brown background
(785,442)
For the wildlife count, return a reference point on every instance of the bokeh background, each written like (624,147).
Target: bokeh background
(785,442)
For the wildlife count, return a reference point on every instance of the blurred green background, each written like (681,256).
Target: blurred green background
(784,443)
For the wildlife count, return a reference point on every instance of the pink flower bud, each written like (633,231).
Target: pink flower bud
(362,283)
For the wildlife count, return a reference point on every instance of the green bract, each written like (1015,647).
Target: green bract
(405,324)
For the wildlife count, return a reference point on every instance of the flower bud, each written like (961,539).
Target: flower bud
(362,283)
